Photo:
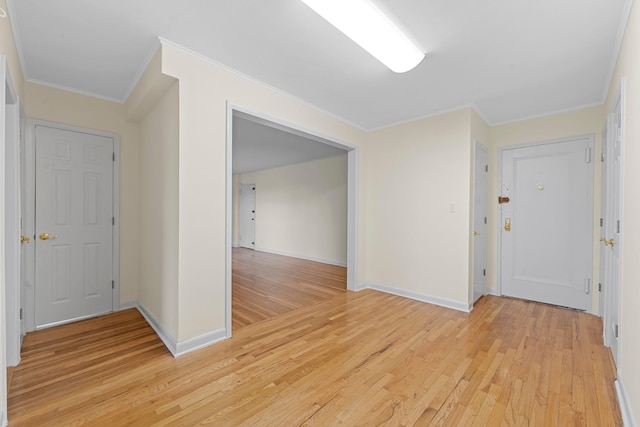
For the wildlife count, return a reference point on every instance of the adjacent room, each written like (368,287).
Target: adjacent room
(319,212)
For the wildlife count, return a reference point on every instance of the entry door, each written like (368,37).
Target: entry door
(74,225)
(480,222)
(613,233)
(248,216)
(546,224)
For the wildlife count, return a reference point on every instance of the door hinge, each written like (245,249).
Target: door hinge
(20,313)
(601,222)
(113,284)
(484,271)
(615,330)
(113,220)
(486,168)
(602,156)
(587,155)
(599,287)
(587,285)
(618,227)
(485,219)
(114,157)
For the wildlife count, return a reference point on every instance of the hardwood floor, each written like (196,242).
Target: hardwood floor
(266,285)
(365,358)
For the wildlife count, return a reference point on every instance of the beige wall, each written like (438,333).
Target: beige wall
(557,126)
(59,106)
(205,90)
(415,173)
(628,67)
(158,223)
(301,209)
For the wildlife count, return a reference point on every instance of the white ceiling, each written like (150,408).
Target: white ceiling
(511,59)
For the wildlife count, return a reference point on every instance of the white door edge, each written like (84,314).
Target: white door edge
(28,216)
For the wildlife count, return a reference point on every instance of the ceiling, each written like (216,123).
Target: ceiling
(510,59)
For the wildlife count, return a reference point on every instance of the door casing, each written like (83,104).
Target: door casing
(28,216)
(498,218)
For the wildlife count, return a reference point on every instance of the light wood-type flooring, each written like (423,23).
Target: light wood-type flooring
(365,358)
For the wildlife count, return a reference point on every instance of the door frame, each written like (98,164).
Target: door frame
(479,146)
(353,155)
(28,216)
(498,218)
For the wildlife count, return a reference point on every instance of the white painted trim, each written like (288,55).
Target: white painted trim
(352,194)
(75,90)
(165,336)
(308,258)
(196,343)
(628,420)
(547,114)
(128,305)
(228,222)
(181,348)
(622,28)
(165,42)
(442,302)
(29,217)
(3,418)
(3,324)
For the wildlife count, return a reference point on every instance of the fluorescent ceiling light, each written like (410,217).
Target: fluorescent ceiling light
(365,24)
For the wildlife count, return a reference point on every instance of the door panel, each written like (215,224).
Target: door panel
(546,246)
(247,216)
(74,207)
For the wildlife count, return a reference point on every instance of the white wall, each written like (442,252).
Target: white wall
(418,173)
(205,90)
(301,209)
(158,221)
(628,67)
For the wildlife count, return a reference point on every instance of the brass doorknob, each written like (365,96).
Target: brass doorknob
(476,233)
(609,242)
(47,236)
(24,239)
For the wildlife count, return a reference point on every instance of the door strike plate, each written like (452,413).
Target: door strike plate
(502,200)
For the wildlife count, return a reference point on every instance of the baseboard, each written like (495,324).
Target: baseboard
(127,305)
(193,344)
(166,338)
(443,302)
(3,419)
(320,260)
(180,348)
(490,291)
(628,420)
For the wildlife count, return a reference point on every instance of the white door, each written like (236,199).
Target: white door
(247,216)
(546,226)
(74,225)
(613,232)
(480,221)
(603,213)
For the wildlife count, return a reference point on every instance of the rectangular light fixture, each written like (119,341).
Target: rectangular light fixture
(365,24)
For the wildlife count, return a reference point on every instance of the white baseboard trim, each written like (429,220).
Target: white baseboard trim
(628,420)
(3,419)
(181,348)
(166,338)
(443,302)
(359,287)
(321,260)
(127,305)
(193,344)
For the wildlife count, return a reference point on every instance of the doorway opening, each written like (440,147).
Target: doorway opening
(307,141)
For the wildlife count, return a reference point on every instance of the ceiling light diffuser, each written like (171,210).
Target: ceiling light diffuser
(365,24)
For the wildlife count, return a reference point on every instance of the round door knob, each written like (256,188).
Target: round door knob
(47,236)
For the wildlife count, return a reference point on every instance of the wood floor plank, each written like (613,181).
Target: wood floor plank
(320,357)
